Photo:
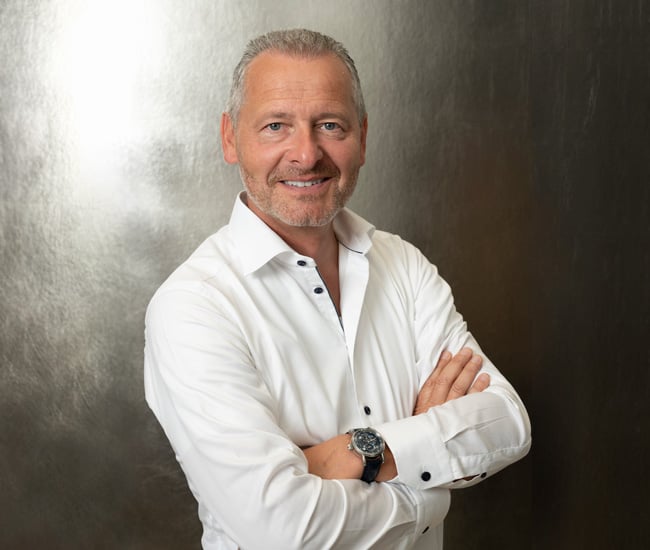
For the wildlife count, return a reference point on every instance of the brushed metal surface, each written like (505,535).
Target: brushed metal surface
(508,140)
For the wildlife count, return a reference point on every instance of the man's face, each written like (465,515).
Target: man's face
(298,140)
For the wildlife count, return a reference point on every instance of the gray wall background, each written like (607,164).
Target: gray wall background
(509,140)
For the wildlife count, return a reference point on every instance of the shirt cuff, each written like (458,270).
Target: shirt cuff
(420,453)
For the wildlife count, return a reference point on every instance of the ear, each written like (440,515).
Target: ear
(228,141)
(364,134)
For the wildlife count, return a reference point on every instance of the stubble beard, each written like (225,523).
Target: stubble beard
(295,215)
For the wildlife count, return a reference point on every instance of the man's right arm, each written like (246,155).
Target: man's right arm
(222,422)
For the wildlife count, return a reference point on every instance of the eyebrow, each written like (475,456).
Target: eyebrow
(282,115)
(276,114)
(333,114)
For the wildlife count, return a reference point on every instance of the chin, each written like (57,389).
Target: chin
(308,221)
(305,216)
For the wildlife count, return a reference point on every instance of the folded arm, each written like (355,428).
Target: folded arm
(468,421)
(453,377)
(245,471)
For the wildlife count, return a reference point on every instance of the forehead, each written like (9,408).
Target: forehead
(276,77)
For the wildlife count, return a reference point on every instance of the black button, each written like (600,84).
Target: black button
(367,410)
(302,263)
(483,475)
(426,476)
(318,290)
(425,530)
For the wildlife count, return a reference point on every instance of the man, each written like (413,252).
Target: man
(298,322)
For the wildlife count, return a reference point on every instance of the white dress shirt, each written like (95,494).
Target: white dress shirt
(247,361)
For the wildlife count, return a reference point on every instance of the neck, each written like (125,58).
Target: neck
(319,243)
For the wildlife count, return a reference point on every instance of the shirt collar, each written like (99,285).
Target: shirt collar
(258,244)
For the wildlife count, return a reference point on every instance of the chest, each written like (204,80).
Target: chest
(329,374)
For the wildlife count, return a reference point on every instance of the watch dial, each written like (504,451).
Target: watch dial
(367,443)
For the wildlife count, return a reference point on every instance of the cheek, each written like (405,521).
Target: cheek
(261,159)
(351,158)
(349,148)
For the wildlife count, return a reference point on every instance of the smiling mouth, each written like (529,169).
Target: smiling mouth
(295,183)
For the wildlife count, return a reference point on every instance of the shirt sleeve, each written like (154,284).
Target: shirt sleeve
(220,418)
(473,436)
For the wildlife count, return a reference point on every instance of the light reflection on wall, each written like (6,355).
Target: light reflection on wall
(101,55)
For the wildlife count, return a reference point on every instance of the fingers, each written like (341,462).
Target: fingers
(453,377)
(428,395)
(459,374)
(481,383)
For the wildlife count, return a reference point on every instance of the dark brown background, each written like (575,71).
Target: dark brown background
(509,140)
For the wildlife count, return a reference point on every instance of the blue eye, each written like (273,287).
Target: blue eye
(330,126)
(274,126)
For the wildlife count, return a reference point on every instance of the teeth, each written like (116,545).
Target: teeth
(303,183)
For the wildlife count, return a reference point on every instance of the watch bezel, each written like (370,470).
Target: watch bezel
(357,433)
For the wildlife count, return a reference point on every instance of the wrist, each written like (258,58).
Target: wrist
(388,469)
(369,446)
(354,461)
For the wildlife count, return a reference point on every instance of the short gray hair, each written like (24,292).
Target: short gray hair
(297,42)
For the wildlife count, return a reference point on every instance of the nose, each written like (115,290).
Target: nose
(305,150)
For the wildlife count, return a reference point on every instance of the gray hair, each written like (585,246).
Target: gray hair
(297,42)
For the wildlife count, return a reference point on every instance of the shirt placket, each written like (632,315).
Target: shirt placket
(315,286)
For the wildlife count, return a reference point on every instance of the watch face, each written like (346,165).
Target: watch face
(368,443)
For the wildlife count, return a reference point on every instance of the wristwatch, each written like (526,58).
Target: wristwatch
(369,445)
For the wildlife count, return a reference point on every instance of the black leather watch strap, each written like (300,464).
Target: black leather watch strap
(371,468)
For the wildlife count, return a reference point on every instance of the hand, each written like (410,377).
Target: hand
(453,377)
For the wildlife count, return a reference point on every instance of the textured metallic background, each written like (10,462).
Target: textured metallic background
(509,140)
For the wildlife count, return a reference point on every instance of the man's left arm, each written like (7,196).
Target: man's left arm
(456,437)
(463,440)
(468,421)
(453,377)
(465,436)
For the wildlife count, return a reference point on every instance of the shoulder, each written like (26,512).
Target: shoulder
(394,249)
(200,280)
(214,255)
(394,259)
